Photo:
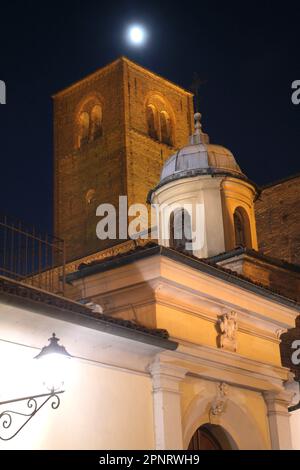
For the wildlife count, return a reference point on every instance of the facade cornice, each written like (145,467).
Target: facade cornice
(200,265)
(62,308)
(224,366)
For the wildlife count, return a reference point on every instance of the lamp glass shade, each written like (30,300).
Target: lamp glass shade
(53,364)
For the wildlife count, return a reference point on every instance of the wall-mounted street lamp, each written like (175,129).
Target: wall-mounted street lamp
(53,360)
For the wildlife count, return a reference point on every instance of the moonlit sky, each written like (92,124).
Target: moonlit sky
(247,52)
(136,35)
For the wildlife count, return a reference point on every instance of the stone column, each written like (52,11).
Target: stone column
(279,419)
(166,405)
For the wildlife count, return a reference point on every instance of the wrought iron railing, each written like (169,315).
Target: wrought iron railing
(30,256)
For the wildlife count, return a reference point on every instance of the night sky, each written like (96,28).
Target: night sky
(249,56)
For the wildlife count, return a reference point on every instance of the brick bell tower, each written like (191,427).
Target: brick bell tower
(113,130)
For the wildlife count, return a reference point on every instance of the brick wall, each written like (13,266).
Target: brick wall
(284,281)
(145,156)
(124,161)
(99,165)
(283,278)
(278,220)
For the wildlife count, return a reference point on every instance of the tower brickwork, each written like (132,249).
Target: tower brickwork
(113,130)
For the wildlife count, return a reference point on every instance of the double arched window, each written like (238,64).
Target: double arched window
(89,123)
(242,231)
(180,230)
(159,123)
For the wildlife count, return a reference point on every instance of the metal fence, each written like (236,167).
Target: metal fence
(30,256)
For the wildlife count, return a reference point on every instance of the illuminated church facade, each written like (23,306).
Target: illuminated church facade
(176,344)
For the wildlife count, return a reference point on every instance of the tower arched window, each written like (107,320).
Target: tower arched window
(165,128)
(160,124)
(89,120)
(180,229)
(152,121)
(96,122)
(84,128)
(241,228)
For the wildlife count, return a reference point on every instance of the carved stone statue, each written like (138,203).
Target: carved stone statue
(228,326)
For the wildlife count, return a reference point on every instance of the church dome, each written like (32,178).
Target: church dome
(199,157)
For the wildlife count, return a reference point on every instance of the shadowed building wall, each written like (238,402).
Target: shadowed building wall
(278,220)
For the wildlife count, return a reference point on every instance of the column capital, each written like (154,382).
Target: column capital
(166,376)
(278,402)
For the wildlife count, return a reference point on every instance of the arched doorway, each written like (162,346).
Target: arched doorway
(211,437)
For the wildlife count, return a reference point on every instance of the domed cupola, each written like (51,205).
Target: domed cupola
(199,157)
(204,202)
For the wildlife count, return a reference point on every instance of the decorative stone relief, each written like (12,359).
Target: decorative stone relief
(217,408)
(218,405)
(107,253)
(228,331)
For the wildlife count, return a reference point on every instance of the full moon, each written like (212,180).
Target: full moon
(137,35)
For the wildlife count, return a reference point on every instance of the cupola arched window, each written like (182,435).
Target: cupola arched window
(152,121)
(241,228)
(84,128)
(180,229)
(165,128)
(96,122)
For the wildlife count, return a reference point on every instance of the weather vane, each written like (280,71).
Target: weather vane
(195,88)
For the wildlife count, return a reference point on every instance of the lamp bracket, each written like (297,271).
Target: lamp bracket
(13,421)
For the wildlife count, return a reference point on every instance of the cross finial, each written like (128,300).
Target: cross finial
(195,87)
(197,137)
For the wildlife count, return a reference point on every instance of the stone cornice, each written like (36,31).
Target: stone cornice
(185,260)
(60,307)
(219,365)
